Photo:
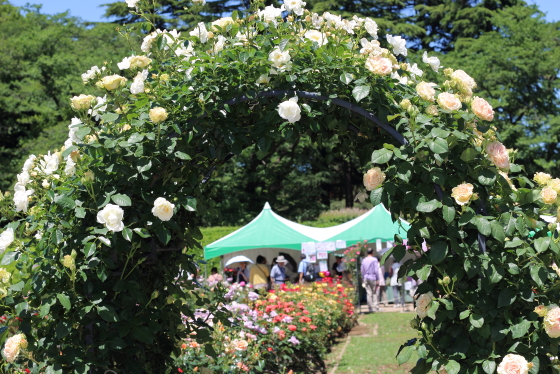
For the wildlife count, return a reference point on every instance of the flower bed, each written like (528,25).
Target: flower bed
(289,329)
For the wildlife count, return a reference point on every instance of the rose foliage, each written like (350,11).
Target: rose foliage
(94,233)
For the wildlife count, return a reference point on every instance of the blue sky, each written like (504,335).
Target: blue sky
(90,10)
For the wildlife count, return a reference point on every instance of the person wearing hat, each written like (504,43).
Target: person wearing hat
(278,272)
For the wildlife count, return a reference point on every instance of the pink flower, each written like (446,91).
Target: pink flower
(448,101)
(514,364)
(482,109)
(242,284)
(498,154)
(379,65)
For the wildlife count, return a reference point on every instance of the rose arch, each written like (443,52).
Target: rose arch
(94,234)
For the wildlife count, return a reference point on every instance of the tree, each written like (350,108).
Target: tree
(519,73)
(39,55)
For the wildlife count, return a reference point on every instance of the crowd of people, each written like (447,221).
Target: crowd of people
(376,279)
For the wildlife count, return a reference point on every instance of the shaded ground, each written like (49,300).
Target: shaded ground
(370,348)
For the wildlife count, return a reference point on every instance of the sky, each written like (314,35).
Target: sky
(90,10)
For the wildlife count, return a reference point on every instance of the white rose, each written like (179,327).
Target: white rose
(90,74)
(137,85)
(45,184)
(317,21)
(131,3)
(147,42)
(432,61)
(295,6)
(199,2)
(50,163)
(124,64)
(23,178)
(398,43)
(220,43)
(163,209)
(279,58)
(28,165)
(371,27)
(200,32)
(270,14)
(423,304)
(111,216)
(21,197)
(414,70)
(70,168)
(289,110)
(222,23)
(317,36)
(96,111)
(6,238)
(426,91)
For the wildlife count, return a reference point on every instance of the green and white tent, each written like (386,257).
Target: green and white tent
(269,233)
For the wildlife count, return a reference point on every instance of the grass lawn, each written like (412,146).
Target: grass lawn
(373,345)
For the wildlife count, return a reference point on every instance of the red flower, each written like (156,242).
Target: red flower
(269,349)
(180,370)
(312,327)
(27,370)
(292,327)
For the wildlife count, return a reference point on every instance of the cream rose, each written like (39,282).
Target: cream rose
(423,304)
(279,58)
(240,344)
(163,209)
(554,184)
(158,114)
(482,109)
(82,102)
(5,275)
(426,91)
(498,154)
(6,238)
(379,65)
(463,81)
(432,110)
(222,23)
(139,61)
(514,364)
(542,178)
(449,101)
(13,346)
(263,79)
(111,216)
(373,178)
(289,110)
(462,193)
(548,195)
(552,322)
(541,310)
(316,36)
(112,82)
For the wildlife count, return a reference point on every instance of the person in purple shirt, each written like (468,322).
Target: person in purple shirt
(370,277)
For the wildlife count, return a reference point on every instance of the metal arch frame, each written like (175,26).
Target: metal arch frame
(358,110)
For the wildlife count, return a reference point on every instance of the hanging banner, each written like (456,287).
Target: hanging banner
(323,265)
(322,255)
(339,244)
(308,248)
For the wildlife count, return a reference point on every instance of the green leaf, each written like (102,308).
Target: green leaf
(422,118)
(428,206)
(519,330)
(68,150)
(424,273)
(360,92)
(381,156)
(346,78)
(405,354)
(448,213)
(109,117)
(182,155)
(143,334)
(121,200)
(191,204)
(375,196)
(163,234)
(65,202)
(82,131)
(143,233)
(127,234)
(209,350)
(135,138)
(515,242)
(89,249)
(464,314)
(452,367)
(469,154)
(498,231)
(487,177)
(542,244)
(283,44)
(489,367)
(64,300)
(506,297)
(538,274)
(107,313)
(433,309)
(465,218)
(483,225)
(438,251)
(476,320)
(438,145)
(8,258)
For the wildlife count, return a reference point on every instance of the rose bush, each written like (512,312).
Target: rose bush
(116,302)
